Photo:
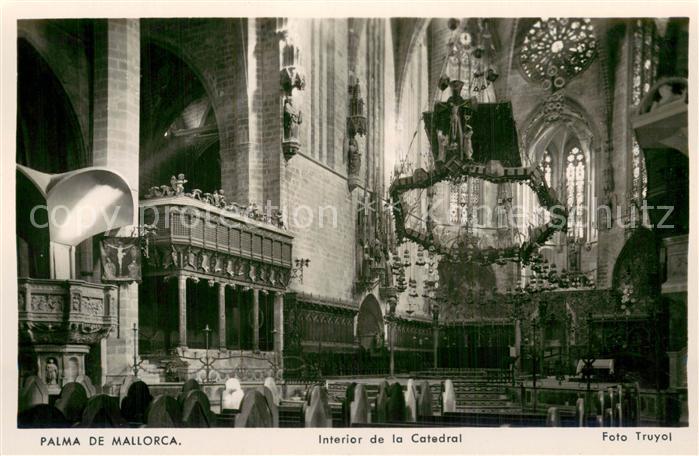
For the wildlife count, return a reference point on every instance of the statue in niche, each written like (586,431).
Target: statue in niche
(292,120)
(51,372)
(354,157)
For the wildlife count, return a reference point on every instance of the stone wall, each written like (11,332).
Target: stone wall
(215,50)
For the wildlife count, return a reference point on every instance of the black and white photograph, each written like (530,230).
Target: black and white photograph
(434,223)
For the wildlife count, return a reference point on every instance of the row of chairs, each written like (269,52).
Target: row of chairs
(78,406)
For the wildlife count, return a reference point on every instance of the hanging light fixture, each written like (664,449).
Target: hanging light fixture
(420,261)
(406,258)
(471,134)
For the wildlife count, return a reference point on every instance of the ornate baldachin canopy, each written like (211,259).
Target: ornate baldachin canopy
(469,138)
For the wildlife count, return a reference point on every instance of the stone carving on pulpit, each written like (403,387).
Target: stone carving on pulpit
(51,372)
(204,262)
(230,269)
(252,272)
(191,258)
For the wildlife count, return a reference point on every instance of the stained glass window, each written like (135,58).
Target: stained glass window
(575,190)
(470,59)
(639,177)
(542,214)
(464,198)
(644,71)
(546,166)
(644,60)
(556,49)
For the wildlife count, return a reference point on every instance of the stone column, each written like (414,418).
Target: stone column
(279,323)
(518,345)
(222,315)
(116,121)
(182,302)
(435,346)
(255,320)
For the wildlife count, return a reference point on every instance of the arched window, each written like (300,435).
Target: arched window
(463,200)
(554,50)
(639,178)
(547,167)
(644,63)
(575,175)
(541,214)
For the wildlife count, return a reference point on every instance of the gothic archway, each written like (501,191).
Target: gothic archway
(179,130)
(49,138)
(370,328)
(637,269)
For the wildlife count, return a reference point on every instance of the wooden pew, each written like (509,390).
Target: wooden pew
(291,414)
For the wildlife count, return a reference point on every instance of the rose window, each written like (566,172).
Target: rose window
(556,49)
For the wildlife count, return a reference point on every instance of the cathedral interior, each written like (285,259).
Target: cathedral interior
(352,222)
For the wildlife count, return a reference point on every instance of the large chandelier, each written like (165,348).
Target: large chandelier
(472,136)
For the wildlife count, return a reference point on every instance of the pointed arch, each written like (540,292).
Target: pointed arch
(49,134)
(557,126)
(370,326)
(179,120)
